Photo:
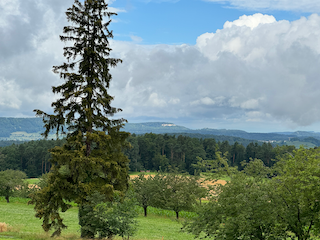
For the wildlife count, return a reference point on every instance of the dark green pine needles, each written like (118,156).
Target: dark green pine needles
(91,160)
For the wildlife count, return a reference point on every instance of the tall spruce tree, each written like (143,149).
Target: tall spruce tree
(91,160)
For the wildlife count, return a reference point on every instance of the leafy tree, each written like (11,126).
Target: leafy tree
(149,191)
(238,210)
(111,218)
(2,161)
(91,160)
(252,206)
(181,193)
(133,154)
(210,146)
(296,193)
(237,154)
(161,162)
(11,181)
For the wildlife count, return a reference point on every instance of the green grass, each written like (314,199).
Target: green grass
(33,180)
(160,224)
(298,144)
(165,213)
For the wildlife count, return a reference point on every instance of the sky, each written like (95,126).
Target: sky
(252,65)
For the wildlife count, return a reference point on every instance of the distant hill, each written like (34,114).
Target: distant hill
(11,125)
(154,127)
(25,129)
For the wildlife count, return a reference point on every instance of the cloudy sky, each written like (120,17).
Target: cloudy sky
(252,65)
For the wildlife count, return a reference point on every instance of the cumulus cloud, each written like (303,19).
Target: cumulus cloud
(310,6)
(29,47)
(255,69)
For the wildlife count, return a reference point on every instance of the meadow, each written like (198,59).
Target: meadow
(19,216)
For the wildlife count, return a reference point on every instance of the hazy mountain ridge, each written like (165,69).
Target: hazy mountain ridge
(17,128)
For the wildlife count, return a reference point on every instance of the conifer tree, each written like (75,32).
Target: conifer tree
(91,160)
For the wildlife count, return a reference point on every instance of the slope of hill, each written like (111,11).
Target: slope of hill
(24,129)
(11,125)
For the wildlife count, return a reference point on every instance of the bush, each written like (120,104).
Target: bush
(108,219)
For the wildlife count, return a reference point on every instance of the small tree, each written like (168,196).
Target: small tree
(111,218)
(149,191)
(11,181)
(181,193)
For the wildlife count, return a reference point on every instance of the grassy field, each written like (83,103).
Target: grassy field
(159,225)
(32,180)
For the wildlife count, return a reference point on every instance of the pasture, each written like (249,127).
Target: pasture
(19,216)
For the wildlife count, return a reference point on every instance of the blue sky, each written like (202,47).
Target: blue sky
(179,22)
(251,65)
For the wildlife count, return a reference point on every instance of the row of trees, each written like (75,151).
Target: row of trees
(149,152)
(168,191)
(171,153)
(30,157)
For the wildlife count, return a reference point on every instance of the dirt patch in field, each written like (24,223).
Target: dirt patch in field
(206,183)
(222,182)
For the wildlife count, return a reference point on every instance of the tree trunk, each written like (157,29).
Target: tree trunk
(7,194)
(177,215)
(145,211)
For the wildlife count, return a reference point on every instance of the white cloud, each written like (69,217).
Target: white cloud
(136,39)
(310,6)
(250,21)
(255,69)
(253,65)
(174,101)
(155,101)
(7,99)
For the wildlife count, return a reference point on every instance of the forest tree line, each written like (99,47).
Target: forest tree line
(154,152)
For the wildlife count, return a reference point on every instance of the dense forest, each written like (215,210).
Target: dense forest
(154,152)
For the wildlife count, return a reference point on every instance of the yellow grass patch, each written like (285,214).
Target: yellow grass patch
(3,227)
(205,183)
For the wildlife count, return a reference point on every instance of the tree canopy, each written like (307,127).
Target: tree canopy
(11,181)
(263,203)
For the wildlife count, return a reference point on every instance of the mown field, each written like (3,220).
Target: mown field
(159,225)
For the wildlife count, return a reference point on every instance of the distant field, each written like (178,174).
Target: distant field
(297,144)
(222,181)
(32,180)
(23,225)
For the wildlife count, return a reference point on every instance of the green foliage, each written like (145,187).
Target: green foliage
(253,206)
(181,193)
(296,192)
(153,152)
(148,191)
(91,160)
(31,157)
(168,191)
(108,219)
(238,210)
(11,181)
